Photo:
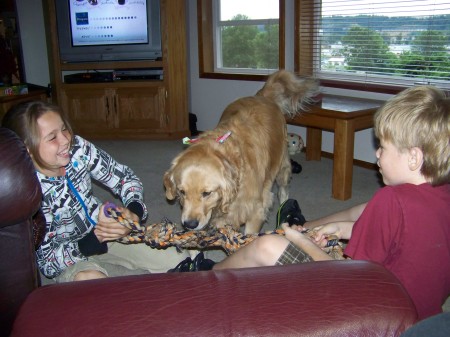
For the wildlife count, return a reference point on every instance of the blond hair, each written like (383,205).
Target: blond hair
(419,117)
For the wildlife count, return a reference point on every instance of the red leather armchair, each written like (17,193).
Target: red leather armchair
(333,298)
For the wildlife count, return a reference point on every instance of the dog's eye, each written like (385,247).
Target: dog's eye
(205,194)
(181,192)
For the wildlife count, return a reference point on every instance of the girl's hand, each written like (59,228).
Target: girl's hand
(108,229)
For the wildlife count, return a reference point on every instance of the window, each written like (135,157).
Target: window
(240,39)
(374,43)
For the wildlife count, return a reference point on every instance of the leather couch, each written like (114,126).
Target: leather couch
(333,298)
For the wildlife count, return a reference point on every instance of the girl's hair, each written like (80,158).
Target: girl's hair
(419,117)
(22,119)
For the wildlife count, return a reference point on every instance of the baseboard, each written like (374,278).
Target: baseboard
(356,162)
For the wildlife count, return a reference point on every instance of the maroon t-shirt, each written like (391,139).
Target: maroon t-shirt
(406,228)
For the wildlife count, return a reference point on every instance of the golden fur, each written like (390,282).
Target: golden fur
(231,182)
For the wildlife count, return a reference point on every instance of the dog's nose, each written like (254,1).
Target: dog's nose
(190,224)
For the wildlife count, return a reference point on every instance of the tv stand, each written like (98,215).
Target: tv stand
(149,101)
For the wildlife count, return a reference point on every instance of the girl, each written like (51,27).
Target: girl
(78,243)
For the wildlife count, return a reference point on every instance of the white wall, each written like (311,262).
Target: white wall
(207,97)
(34,47)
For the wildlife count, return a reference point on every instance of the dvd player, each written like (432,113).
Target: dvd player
(138,74)
(94,77)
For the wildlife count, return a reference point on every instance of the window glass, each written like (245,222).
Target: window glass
(246,38)
(378,42)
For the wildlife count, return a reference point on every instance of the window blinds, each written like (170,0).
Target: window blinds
(385,42)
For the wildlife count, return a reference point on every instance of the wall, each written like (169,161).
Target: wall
(207,97)
(34,47)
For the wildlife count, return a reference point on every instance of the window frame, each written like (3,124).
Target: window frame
(206,31)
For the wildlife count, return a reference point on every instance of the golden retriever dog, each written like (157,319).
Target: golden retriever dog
(226,176)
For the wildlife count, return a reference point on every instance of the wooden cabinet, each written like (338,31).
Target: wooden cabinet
(127,109)
(7,102)
(117,110)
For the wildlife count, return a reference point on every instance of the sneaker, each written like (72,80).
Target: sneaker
(199,263)
(296,167)
(290,212)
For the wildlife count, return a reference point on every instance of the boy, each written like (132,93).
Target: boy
(406,225)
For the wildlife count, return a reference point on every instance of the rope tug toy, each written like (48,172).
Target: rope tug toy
(165,234)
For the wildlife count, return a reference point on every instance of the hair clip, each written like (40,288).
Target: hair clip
(223,138)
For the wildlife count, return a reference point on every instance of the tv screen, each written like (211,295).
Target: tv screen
(108,30)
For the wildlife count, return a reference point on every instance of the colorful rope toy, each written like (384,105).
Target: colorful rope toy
(165,234)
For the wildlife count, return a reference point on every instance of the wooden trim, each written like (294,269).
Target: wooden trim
(282,35)
(379,88)
(205,37)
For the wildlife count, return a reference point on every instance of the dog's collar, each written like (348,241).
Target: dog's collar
(221,139)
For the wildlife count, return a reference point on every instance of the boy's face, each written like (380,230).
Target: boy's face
(393,164)
(54,143)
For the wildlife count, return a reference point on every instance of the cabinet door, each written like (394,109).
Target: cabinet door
(140,108)
(90,109)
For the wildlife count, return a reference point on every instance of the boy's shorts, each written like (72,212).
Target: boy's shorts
(292,255)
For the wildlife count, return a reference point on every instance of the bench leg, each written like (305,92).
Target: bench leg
(313,144)
(344,140)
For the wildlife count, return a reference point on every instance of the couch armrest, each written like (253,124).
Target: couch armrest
(20,198)
(332,298)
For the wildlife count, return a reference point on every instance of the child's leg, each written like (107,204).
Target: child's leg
(82,270)
(141,256)
(264,251)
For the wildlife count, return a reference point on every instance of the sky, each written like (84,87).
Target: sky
(263,9)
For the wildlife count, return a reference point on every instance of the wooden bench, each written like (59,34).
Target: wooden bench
(344,116)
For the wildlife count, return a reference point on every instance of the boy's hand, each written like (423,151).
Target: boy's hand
(294,233)
(322,233)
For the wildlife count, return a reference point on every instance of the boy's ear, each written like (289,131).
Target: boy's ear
(415,160)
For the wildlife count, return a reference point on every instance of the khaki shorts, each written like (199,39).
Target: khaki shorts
(125,259)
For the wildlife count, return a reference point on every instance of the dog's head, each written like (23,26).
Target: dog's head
(205,183)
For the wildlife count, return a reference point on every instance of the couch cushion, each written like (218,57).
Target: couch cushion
(332,298)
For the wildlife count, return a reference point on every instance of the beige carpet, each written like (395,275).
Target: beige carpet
(312,187)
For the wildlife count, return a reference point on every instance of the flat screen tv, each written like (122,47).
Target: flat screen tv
(108,30)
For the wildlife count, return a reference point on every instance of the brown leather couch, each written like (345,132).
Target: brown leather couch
(337,298)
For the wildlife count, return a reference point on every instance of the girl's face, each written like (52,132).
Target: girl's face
(393,164)
(54,144)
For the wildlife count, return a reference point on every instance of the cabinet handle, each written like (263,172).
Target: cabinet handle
(107,108)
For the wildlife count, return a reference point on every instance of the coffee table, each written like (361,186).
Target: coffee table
(344,116)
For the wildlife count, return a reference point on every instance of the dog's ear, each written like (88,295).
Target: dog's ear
(229,185)
(169,184)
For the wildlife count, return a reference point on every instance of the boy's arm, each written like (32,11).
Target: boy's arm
(348,215)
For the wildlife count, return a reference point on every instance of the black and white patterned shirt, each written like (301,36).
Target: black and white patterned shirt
(67,222)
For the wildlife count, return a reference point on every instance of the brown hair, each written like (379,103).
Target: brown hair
(22,119)
(419,117)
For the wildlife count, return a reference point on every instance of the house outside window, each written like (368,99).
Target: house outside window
(374,44)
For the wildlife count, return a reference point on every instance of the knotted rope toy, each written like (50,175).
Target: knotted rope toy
(165,234)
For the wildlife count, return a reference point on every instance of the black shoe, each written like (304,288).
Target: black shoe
(290,212)
(199,263)
(296,167)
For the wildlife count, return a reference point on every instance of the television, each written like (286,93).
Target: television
(108,30)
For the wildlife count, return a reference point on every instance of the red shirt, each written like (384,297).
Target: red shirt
(406,228)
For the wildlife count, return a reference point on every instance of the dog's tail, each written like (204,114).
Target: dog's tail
(291,93)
